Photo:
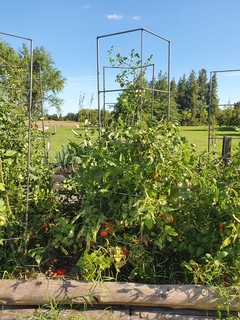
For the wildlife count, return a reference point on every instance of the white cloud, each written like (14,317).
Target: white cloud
(136,18)
(114,16)
(86,7)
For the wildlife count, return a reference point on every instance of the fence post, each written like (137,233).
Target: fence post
(226,147)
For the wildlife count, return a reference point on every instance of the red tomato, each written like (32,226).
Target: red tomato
(103,233)
(108,226)
(61,271)
(221,225)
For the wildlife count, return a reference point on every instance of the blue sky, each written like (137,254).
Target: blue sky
(203,34)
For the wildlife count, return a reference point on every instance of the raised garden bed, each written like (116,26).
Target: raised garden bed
(110,300)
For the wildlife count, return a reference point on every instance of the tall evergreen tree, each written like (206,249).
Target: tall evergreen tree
(213,98)
(236,114)
(202,81)
(192,97)
(174,115)
(182,92)
(160,97)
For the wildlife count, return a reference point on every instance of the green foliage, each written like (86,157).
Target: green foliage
(135,102)
(25,193)
(144,100)
(165,202)
(47,80)
(143,206)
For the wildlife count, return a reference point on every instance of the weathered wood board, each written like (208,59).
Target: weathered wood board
(111,300)
(132,313)
(40,292)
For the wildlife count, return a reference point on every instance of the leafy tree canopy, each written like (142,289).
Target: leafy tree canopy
(47,80)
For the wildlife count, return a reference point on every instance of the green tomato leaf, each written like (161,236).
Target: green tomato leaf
(170,231)
(2,205)
(158,221)
(191,249)
(149,223)
(225,243)
(221,254)
(199,251)
(38,259)
(10,153)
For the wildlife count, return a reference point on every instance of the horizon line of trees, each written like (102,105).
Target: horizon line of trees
(190,96)
(189,99)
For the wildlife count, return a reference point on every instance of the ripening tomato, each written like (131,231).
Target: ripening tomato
(61,271)
(108,226)
(155,175)
(124,252)
(171,219)
(103,233)
(163,217)
(189,184)
(221,225)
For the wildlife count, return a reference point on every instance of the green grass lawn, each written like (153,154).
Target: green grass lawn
(199,136)
(57,141)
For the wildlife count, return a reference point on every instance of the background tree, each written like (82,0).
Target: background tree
(192,97)
(160,98)
(160,109)
(46,78)
(214,98)
(203,92)
(70,116)
(174,112)
(236,114)
(15,74)
(182,100)
(10,73)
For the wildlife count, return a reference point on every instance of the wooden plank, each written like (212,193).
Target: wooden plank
(99,315)
(35,292)
(33,314)
(121,313)
(172,314)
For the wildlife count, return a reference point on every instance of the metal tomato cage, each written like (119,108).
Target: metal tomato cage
(29,133)
(102,89)
(226,147)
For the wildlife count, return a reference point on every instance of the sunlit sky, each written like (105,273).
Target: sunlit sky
(203,34)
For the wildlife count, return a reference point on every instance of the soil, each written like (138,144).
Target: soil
(53,124)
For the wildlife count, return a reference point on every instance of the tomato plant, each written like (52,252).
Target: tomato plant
(165,219)
(27,199)
(150,208)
